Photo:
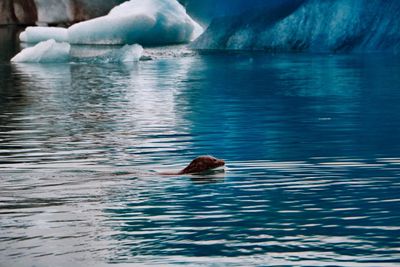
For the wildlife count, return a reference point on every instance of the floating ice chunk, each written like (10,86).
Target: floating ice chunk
(52,51)
(138,21)
(44,52)
(128,53)
(39,34)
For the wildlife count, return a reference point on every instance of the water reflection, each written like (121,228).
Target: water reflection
(284,117)
(275,211)
(9,42)
(310,142)
(96,109)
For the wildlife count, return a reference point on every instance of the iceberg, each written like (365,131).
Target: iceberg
(205,11)
(51,51)
(44,52)
(39,34)
(138,21)
(310,26)
(147,22)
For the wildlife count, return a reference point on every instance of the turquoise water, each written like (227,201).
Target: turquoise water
(311,144)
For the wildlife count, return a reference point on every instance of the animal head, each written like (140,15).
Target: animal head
(202,164)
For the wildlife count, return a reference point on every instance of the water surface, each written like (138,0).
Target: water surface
(311,144)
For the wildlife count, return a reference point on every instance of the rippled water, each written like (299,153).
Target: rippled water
(311,145)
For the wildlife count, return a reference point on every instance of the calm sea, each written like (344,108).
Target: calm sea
(312,146)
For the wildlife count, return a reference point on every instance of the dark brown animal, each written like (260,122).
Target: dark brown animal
(199,165)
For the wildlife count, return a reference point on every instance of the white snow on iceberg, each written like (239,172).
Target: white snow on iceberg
(148,22)
(44,52)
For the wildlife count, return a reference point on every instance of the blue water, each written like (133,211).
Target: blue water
(311,144)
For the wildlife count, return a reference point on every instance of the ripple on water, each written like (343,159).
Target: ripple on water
(81,144)
(241,215)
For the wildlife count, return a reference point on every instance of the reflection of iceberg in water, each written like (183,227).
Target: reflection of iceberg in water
(111,113)
(303,92)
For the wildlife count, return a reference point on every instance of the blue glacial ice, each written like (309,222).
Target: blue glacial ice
(147,22)
(309,26)
(205,11)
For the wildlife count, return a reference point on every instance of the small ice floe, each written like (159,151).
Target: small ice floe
(129,53)
(48,51)
(51,51)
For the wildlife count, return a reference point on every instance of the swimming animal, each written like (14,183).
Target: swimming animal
(199,165)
